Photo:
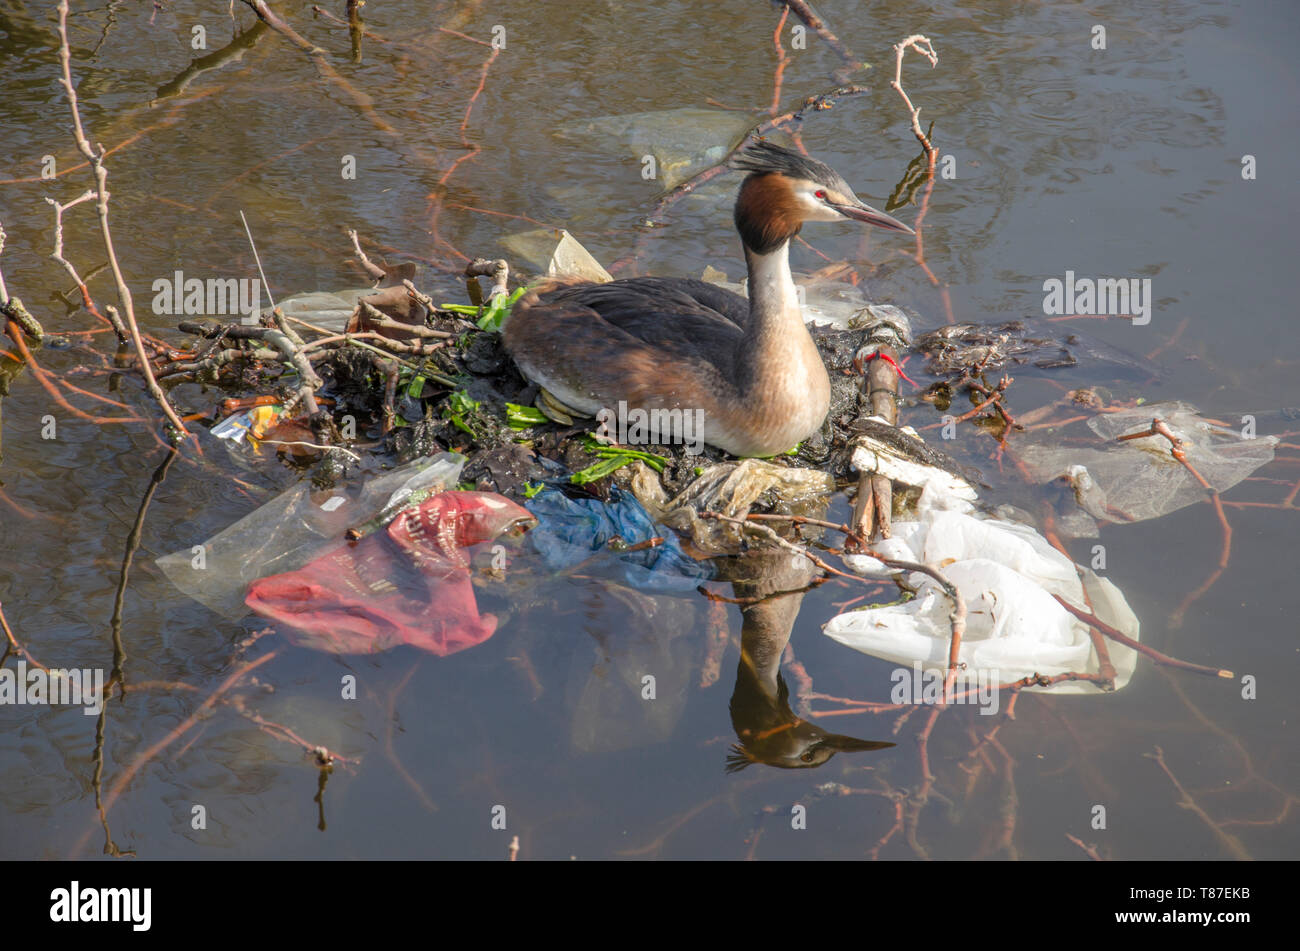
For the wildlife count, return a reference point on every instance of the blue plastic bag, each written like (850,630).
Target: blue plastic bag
(569,531)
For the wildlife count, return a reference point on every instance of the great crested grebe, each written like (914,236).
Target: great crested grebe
(675,344)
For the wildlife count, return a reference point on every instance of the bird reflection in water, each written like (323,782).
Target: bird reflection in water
(769,731)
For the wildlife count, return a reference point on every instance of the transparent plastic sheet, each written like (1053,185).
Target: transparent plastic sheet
(606,684)
(1007,574)
(683,141)
(290,530)
(729,488)
(330,310)
(1140,479)
(558,253)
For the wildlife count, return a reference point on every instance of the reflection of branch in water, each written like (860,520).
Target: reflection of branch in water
(781,60)
(105,803)
(47,381)
(809,16)
(896,826)
(1230,842)
(655,845)
(118,674)
(820,791)
(362,102)
(916,175)
(1008,807)
(232,52)
(1288,799)
(13,646)
(1089,850)
(390,722)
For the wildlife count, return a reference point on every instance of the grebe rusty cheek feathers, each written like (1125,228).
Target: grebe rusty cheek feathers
(680,344)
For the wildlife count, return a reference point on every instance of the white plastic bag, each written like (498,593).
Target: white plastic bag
(1007,574)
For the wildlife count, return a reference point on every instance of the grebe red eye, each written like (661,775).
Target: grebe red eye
(819,194)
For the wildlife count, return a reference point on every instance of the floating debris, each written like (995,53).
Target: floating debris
(959,349)
(1139,479)
(683,142)
(1008,576)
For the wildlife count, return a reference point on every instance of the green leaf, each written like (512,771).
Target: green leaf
(497,310)
(531,490)
(524,417)
(460,402)
(613,458)
(457,405)
(598,470)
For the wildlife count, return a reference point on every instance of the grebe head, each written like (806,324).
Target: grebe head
(784,189)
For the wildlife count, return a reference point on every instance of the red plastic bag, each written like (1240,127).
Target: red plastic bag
(409,584)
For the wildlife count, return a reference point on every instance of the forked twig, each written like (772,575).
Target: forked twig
(922,46)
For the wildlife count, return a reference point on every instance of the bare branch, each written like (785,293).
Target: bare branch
(96,160)
(922,45)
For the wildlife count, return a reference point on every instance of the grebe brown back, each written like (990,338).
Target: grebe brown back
(654,343)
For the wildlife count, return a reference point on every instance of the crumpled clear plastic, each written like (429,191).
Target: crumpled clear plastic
(1007,574)
(558,253)
(1139,479)
(290,530)
(329,310)
(730,488)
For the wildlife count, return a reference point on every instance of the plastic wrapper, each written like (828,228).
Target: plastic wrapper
(910,462)
(329,310)
(405,584)
(290,530)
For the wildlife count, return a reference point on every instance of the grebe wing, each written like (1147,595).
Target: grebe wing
(650,341)
(626,303)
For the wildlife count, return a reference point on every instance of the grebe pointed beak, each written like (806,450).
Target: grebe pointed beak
(859,211)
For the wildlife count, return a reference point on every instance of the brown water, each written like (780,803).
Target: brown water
(1122,162)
